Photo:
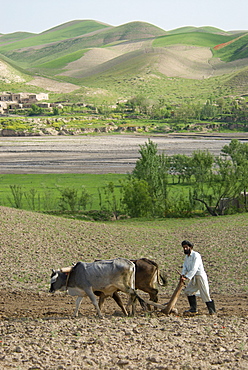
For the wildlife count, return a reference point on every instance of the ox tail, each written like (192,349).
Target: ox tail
(162,278)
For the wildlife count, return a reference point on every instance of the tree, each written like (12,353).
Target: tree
(55,111)
(17,193)
(220,189)
(110,201)
(35,110)
(69,199)
(180,167)
(137,200)
(153,168)
(238,152)
(201,166)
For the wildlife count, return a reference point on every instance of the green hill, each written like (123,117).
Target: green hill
(133,58)
(207,29)
(197,38)
(237,49)
(31,56)
(68,30)
(13,37)
(238,81)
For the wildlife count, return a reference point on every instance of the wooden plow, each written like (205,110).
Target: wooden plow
(168,308)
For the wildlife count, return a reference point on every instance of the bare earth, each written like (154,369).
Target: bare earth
(52,85)
(40,333)
(97,154)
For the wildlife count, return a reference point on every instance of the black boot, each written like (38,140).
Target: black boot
(211,307)
(192,303)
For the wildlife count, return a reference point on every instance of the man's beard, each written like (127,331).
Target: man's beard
(187,251)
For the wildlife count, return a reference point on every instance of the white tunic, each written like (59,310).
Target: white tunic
(193,266)
(193,270)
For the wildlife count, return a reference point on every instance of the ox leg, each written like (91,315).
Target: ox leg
(118,300)
(93,299)
(153,297)
(132,301)
(101,300)
(78,302)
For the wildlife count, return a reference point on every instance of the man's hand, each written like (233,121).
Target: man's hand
(183,278)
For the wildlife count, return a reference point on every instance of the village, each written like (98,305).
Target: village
(22,100)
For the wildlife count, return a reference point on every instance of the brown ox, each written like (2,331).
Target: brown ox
(147,278)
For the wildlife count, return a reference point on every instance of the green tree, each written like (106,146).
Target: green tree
(238,152)
(201,166)
(137,201)
(55,111)
(153,168)
(35,110)
(220,189)
(17,196)
(109,200)
(85,199)
(180,167)
(70,200)
(209,110)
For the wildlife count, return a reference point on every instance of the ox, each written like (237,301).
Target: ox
(104,276)
(147,278)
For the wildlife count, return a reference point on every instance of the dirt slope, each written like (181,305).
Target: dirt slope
(8,74)
(52,85)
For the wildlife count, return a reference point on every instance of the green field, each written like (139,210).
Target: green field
(41,192)
(48,187)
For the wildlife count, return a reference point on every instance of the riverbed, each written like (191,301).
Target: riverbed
(97,154)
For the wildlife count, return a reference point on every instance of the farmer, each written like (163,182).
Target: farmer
(193,271)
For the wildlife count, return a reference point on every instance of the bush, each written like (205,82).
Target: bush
(136,198)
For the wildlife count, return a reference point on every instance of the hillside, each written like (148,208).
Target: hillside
(61,242)
(13,37)
(236,48)
(9,74)
(96,55)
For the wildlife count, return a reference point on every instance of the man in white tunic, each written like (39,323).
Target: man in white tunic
(193,271)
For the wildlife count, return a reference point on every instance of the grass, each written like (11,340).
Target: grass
(15,36)
(192,38)
(64,60)
(49,185)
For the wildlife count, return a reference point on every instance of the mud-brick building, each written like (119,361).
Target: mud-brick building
(21,100)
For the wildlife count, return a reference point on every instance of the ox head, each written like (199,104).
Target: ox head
(58,281)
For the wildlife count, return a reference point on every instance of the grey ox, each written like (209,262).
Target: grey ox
(104,277)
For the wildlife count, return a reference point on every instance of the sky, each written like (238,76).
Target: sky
(40,15)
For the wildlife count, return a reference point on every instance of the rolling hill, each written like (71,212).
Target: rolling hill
(93,54)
